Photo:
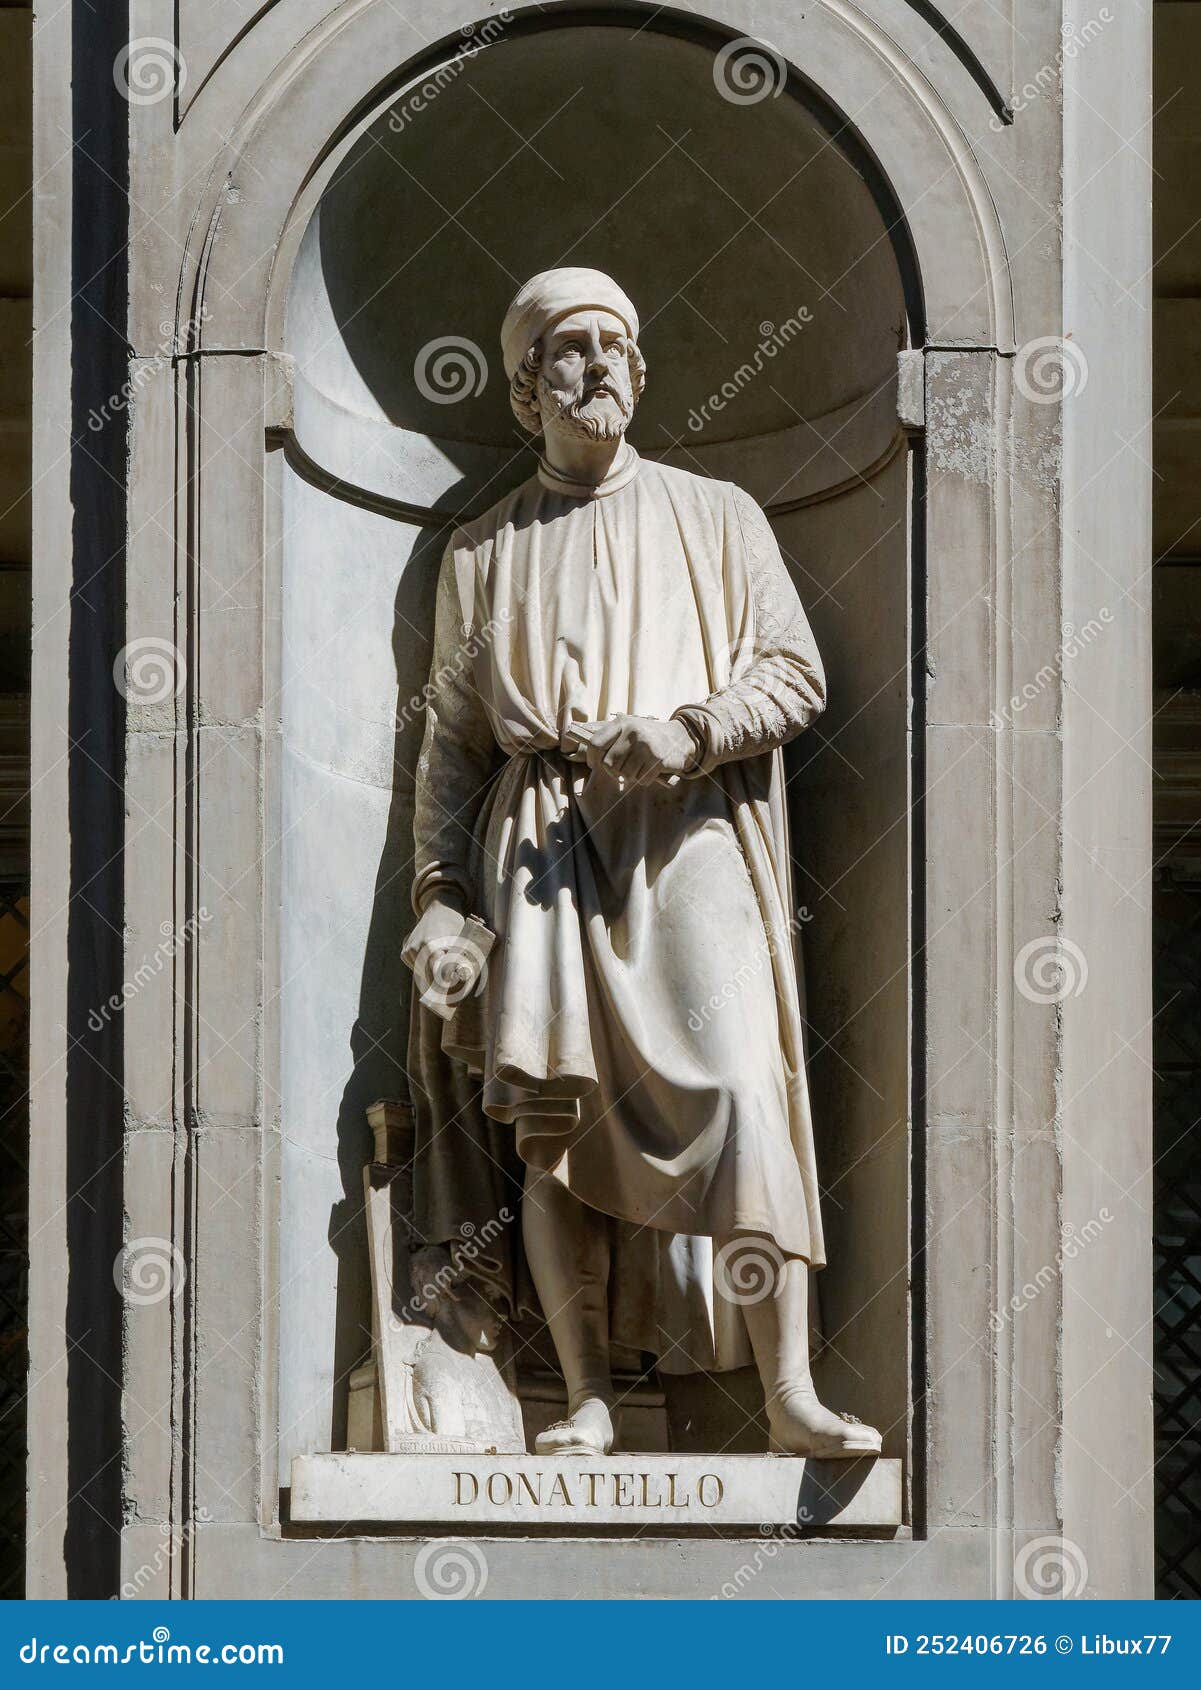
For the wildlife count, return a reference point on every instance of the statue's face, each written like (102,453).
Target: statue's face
(584,386)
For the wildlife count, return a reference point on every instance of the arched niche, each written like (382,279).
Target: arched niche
(248,283)
(773,311)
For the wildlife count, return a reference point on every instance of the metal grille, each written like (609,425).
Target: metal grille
(14,1230)
(1178,1229)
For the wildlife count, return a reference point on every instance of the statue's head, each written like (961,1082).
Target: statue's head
(570,345)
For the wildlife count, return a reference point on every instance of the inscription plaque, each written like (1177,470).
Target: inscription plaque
(631,1490)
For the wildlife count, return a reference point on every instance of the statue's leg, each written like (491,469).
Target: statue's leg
(778,1324)
(567,1248)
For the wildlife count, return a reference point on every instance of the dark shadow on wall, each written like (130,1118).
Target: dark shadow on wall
(94,1077)
(942,25)
(380,1035)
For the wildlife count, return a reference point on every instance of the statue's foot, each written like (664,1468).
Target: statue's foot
(800,1425)
(588,1430)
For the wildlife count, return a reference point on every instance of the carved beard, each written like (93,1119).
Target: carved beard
(586,418)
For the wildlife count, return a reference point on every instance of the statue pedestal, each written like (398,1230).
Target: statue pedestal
(637,1491)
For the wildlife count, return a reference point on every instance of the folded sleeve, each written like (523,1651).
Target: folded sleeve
(777,686)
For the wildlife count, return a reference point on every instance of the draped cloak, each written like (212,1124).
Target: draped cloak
(638,1034)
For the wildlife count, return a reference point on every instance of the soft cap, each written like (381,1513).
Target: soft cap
(554,294)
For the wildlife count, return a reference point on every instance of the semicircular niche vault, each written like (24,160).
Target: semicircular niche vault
(770,300)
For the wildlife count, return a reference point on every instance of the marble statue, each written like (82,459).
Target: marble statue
(619,656)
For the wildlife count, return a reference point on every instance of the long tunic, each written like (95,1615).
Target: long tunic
(639,1030)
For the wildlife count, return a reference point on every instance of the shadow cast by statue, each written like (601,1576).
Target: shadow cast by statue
(829,1487)
(378,1039)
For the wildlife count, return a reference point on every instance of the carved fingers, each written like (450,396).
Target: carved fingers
(438,929)
(634,750)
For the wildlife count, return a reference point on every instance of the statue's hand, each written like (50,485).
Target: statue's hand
(438,929)
(637,749)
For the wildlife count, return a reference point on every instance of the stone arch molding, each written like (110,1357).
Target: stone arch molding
(208,53)
(243,241)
